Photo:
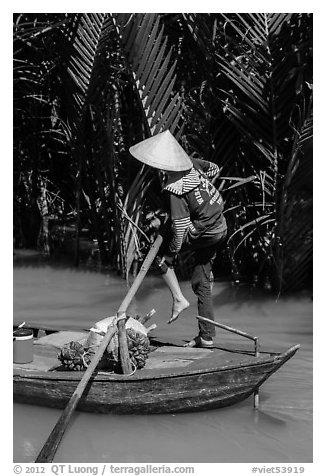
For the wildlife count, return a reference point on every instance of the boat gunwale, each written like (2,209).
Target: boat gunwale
(100,376)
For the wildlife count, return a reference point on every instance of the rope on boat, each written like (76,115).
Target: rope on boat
(134,370)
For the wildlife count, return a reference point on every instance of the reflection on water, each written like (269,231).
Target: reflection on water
(281,431)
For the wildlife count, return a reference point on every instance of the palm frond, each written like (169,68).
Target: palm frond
(150,65)
(295,212)
(260,220)
(149,60)
(88,45)
(252,71)
(260,77)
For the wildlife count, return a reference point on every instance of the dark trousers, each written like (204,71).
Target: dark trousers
(202,283)
(202,275)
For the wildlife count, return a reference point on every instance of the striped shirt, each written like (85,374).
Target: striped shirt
(196,205)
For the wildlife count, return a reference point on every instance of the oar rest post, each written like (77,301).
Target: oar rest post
(240,333)
(235,331)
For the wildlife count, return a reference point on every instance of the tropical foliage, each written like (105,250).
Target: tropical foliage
(235,89)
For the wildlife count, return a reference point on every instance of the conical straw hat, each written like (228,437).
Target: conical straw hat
(162,151)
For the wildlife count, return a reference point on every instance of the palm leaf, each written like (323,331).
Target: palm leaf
(251,75)
(88,43)
(258,90)
(149,61)
(295,213)
(153,73)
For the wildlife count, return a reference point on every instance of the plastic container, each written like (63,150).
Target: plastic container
(23,346)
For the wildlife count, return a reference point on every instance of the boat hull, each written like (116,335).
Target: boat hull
(148,392)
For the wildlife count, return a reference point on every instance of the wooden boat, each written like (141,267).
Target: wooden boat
(175,378)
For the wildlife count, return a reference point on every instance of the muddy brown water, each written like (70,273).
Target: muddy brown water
(280,431)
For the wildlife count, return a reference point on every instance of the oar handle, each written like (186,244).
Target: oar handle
(50,447)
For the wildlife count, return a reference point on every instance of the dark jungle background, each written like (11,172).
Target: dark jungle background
(235,89)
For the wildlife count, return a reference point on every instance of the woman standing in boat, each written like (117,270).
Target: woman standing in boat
(196,208)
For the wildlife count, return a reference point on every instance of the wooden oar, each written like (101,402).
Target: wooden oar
(50,447)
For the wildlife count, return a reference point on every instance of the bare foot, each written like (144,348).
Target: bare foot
(179,305)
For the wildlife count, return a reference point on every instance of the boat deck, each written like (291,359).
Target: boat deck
(165,356)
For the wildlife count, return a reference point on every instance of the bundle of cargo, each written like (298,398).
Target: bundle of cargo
(76,355)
